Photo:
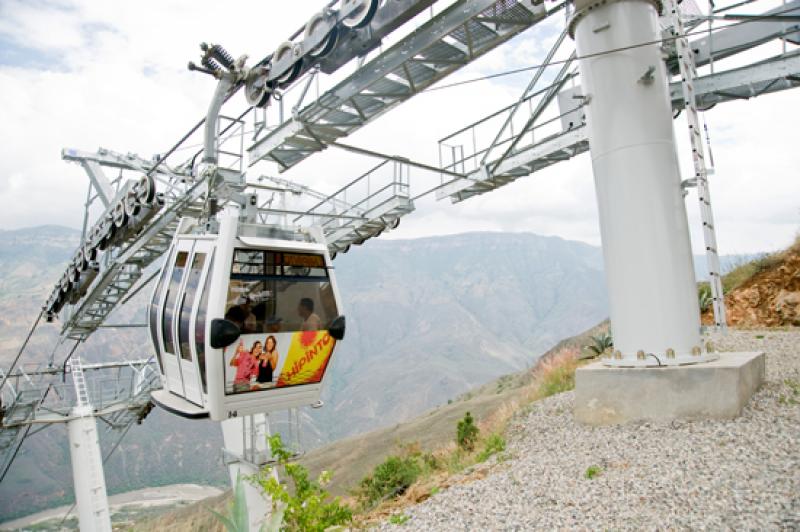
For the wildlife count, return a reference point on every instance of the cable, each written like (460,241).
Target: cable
(755,18)
(21,349)
(66,360)
(24,435)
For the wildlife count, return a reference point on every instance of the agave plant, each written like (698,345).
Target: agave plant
(704,298)
(600,343)
(238,518)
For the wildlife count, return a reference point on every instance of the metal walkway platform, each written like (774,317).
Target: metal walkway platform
(776,74)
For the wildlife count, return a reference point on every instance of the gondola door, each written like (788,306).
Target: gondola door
(175,278)
(187,308)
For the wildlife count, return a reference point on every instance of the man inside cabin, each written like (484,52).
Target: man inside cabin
(311,321)
(249,322)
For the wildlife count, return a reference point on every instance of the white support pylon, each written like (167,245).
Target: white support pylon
(644,231)
(88,477)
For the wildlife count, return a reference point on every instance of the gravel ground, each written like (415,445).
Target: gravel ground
(742,474)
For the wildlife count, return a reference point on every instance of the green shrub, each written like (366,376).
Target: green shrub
(494,444)
(398,519)
(431,462)
(389,479)
(455,462)
(306,507)
(467,433)
(592,472)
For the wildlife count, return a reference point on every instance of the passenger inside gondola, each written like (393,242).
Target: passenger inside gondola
(273,292)
(311,321)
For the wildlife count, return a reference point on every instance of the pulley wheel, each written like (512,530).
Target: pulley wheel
(119,216)
(256,90)
(286,63)
(74,274)
(145,190)
(132,205)
(63,284)
(322,22)
(109,232)
(89,253)
(79,261)
(362,15)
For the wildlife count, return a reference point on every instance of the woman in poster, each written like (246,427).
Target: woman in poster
(268,360)
(246,364)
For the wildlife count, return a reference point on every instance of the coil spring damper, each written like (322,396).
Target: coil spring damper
(220,54)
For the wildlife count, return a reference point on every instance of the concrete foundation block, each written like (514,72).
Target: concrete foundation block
(714,390)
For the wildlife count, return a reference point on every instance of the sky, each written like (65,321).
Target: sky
(89,74)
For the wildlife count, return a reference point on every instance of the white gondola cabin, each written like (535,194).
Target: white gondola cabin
(244,321)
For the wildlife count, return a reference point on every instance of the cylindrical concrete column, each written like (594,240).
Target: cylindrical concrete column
(88,478)
(644,230)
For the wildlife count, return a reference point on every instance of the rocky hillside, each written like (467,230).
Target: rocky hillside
(764,292)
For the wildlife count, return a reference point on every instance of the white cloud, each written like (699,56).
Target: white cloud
(87,74)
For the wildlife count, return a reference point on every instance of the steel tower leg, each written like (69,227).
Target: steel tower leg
(643,226)
(87,472)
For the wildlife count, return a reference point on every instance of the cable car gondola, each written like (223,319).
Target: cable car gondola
(244,321)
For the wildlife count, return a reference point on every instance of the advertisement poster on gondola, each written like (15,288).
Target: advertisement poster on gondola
(260,362)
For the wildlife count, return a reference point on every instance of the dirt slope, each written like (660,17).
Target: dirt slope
(770,297)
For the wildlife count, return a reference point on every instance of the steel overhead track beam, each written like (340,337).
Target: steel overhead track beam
(450,40)
(118,277)
(750,81)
